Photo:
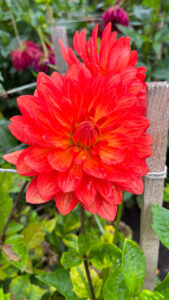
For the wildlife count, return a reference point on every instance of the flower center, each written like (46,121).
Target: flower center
(86,134)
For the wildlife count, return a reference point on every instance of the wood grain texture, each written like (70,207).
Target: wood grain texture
(59,32)
(158,115)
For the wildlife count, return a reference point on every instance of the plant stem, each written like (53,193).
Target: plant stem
(85,257)
(45,50)
(50,15)
(12,211)
(118,218)
(14,24)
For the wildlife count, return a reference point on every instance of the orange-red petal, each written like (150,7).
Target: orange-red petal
(37,159)
(65,202)
(60,160)
(12,157)
(94,167)
(70,180)
(32,193)
(47,185)
(86,192)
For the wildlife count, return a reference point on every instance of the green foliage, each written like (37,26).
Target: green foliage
(161,224)
(70,259)
(6,202)
(4,296)
(105,255)
(115,287)
(22,288)
(133,266)
(61,281)
(86,241)
(80,282)
(147,295)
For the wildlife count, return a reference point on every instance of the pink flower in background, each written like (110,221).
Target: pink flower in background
(41,63)
(115,15)
(24,56)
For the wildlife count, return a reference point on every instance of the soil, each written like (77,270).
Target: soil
(131,216)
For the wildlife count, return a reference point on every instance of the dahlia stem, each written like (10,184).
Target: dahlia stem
(85,257)
(118,219)
(45,50)
(14,24)
(12,211)
(50,15)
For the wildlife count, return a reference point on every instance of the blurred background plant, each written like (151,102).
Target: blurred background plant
(38,236)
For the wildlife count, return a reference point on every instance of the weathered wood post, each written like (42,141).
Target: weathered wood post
(59,32)
(157,112)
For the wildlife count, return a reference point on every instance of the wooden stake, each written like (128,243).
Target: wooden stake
(59,32)
(157,112)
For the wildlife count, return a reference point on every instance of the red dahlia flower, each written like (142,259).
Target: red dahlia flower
(24,56)
(85,130)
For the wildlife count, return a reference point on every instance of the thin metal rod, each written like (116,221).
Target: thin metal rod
(21,88)
(7,170)
(85,257)
(12,211)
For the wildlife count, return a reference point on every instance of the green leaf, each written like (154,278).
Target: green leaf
(163,285)
(70,259)
(6,204)
(71,240)
(114,287)
(13,227)
(20,286)
(105,255)
(4,296)
(85,241)
(71,222)
(147,295)
(22,251)
(80,282)
(33,235)
(133,266)
(161,224)
(35,293)
(61,281)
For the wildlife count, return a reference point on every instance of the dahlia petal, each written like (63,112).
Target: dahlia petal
(30,133)
(30,107)
(22,168)
(104,45)
(32,194)
(133,58)
(133,185)
(81,157)
(57,80)
(91,208)
(65,202)
(47,185)
(68,54)
(111,192)
(106,210)
(12,157)
(60,160)
(80,45)
(86,192)
(94,167)
(36,158)
(69,181)
(123,59)
(57,141)
(110,156)
(102,208)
